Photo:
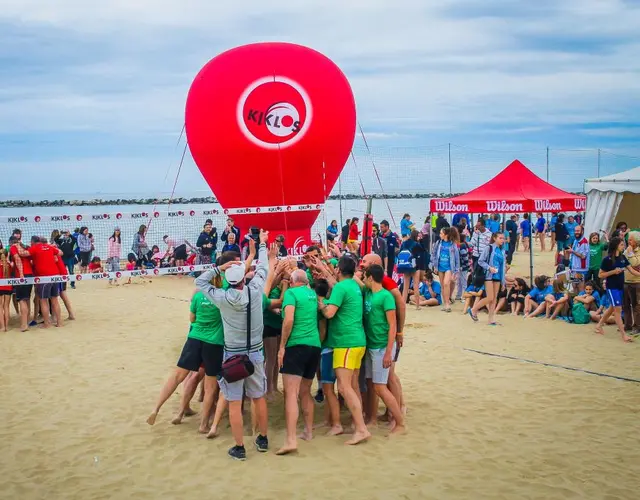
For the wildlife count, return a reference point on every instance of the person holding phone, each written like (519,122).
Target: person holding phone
(230,229)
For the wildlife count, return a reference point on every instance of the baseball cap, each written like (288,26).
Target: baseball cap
(235,274)
(117,228)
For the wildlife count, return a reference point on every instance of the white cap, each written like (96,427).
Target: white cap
(235,274)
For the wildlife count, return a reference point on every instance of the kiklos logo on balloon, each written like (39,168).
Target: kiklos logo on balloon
(274,112)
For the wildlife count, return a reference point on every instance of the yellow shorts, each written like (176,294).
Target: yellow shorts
(352,241)
(348,357)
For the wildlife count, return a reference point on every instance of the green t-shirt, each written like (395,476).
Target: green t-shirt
(595,255)
(346,329)
(270,318)
(376,325)
(305,320)
(208,324)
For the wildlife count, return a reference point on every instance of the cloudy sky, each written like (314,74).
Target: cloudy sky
(92,93)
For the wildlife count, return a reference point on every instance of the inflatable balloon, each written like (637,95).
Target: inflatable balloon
(271,125)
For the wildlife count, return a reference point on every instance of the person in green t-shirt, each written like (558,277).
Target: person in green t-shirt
(596,248)
(298,356)
(347,338)
(199,349)
(380,327)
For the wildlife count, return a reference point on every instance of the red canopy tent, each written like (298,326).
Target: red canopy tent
(514,190)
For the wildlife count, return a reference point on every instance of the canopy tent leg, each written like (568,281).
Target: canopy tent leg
(530,254)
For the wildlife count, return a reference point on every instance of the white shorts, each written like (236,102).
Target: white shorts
(373,365)
(254,386)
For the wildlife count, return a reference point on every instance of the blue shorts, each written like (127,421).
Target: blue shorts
(562,245)
(615,297)
(327,373)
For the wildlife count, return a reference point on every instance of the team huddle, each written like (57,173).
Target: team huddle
(341,322)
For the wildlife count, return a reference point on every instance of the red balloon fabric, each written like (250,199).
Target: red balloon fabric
(271,124)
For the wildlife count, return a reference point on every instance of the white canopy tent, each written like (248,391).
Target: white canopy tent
(612,199)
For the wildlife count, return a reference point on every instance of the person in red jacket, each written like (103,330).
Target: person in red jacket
(44,257)
(22,268)
(354,233)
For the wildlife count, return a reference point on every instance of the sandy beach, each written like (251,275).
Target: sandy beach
(74,403)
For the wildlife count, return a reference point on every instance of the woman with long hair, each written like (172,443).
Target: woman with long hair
(612,271)
(597,248)
(55,237)
(114,253)
(493,260)
(139,246)
(446,262)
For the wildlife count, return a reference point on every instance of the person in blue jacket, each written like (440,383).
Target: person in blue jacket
(494,262)
(446,262)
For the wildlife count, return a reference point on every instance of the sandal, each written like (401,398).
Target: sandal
(474,318)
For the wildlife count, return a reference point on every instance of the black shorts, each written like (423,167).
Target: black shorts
(196,353)
(180,252)
(62,287)
(6,292)
(48,290)
(23,292)
(301,360)
(83,257)
(270,331)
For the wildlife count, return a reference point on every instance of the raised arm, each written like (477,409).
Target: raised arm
(203,283)
(262,269)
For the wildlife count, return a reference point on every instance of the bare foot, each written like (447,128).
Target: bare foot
(213,433)
(203,430)
(335,430)
(305,436)
(626,338)
(71,318)
(287,449)
(189,412)
(372,424)
(398,429)
(358,437)
(599,330)
(177,420)
(152,418)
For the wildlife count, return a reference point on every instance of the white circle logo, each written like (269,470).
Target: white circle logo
(274,112)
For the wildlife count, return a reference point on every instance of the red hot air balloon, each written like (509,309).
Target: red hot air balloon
(271,125)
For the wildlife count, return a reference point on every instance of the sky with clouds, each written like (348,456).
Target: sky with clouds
(92,93)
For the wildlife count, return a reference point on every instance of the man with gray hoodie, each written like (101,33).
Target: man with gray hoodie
(233,304)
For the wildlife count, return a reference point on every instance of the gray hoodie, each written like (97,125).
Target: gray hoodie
(233,305)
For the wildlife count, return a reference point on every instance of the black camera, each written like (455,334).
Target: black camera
(254,234)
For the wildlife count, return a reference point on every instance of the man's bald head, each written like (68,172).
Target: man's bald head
(299,278)
(370,260)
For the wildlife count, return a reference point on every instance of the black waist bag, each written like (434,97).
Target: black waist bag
(239,366)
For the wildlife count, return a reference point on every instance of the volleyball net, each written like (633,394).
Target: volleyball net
(177,223)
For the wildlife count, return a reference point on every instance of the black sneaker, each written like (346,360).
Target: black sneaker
(262,443)
(238,453)
(319,397)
